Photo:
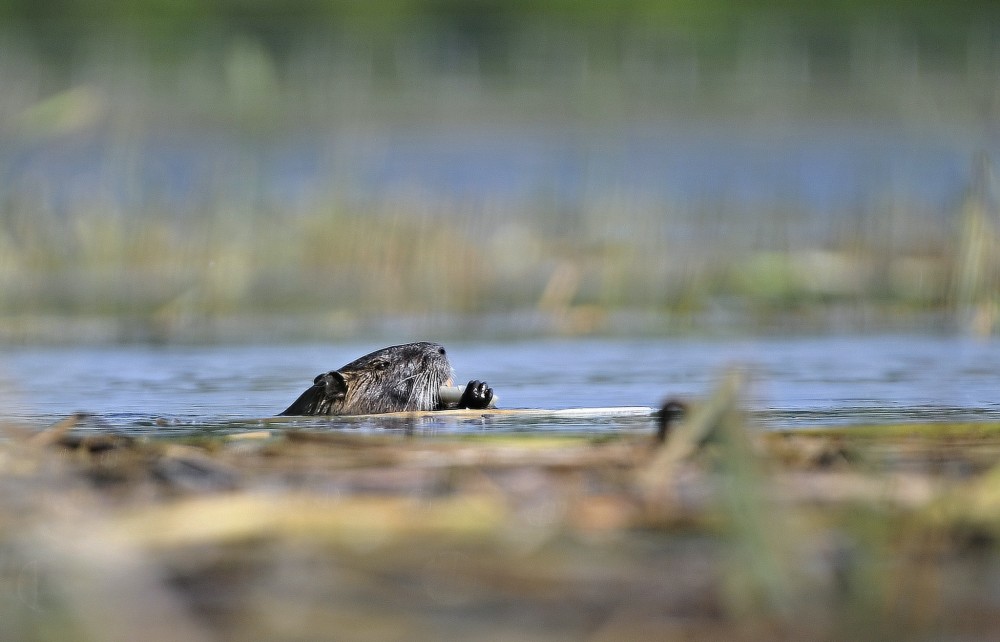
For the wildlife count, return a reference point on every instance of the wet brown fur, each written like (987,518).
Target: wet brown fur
(393,379)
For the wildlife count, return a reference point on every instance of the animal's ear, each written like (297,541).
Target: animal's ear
(333,383)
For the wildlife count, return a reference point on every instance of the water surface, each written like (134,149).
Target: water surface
(796,382)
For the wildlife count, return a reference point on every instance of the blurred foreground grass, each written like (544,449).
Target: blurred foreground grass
(721,532)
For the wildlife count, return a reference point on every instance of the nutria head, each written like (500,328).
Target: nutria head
(393,379)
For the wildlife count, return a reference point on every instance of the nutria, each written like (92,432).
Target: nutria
(393,379)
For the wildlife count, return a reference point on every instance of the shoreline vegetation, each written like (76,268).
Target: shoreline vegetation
(718,321)
(181,177)
(108,277)
(720,531)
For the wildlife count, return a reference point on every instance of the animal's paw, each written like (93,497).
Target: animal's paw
(477,396)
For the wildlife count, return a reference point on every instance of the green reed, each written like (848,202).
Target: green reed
(123,258)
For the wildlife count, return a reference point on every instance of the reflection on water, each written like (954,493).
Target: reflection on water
(796,381)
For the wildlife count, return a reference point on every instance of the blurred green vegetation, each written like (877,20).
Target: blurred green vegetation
(489,22)
(97,242)
(491,35)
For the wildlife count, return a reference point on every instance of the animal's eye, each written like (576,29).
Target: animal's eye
(441,351)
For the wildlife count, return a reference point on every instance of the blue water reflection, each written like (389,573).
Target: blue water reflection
(795,381)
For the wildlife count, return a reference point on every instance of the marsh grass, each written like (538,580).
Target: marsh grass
(299,534)
(220,188)
(168,280)
(156,189)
